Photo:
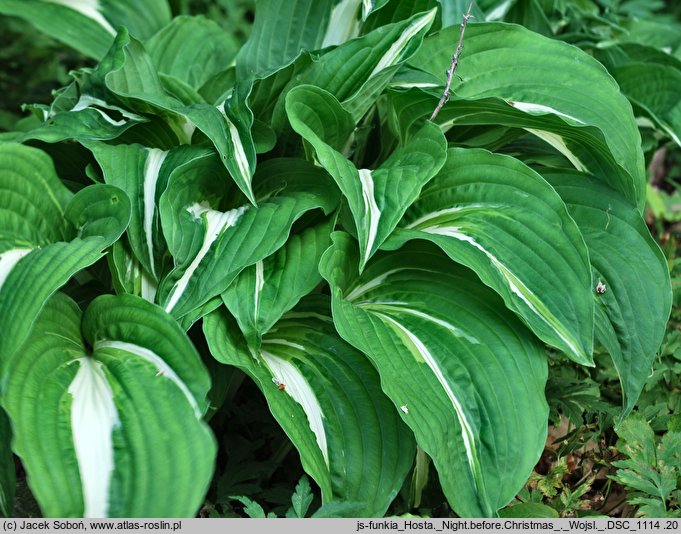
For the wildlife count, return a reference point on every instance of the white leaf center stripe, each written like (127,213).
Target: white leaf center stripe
(407,85)
(516,285)
(93,418)
(90,8)
(259,284)
(164,370)
(531,108)
(239,153)
(393,54)
(9,259)
(152,166)
(88,102)
(371,212)
(428,217)
(297,387)
(467,433)
(557,142)
(375,282)
(371,284)
(402,307)
(216,222)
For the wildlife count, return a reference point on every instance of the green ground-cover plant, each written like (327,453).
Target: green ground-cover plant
(652,467)
(289,208)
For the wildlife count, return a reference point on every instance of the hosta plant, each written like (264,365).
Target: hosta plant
(388,280)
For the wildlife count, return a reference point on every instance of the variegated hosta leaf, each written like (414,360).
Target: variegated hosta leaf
(377,198)
(584,147)
(136,169)
(125,86)
(357,71)
(132,76)
(213,234)
(539,75)
(615,233)
(84,117)
(263,292)
(505,222)
(108,423)
(452,358)
(327,398)
(467,376)
(90,26)
(143,174)
(84,111)
(47,234)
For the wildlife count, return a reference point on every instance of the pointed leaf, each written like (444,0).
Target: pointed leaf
(201,220)
(263,292)
(657,90)
(538,74)
(89,119)
(129,73)
(392,12)
(583,146)
(502,220)
(614,234)
(116,432)
(143,174)
(357,71)
(377,198)
(650,79)
(327,398)
(453,359)
(83,111)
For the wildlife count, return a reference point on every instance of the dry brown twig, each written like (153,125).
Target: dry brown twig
(454,63)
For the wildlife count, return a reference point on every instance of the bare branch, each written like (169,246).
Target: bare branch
(454,63)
